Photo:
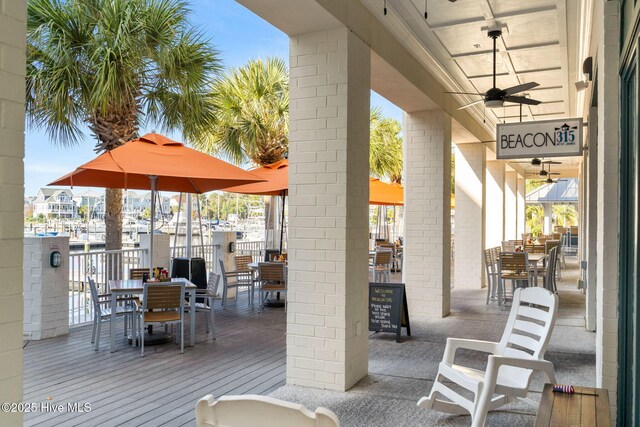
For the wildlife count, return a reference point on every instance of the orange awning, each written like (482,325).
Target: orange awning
(177,167)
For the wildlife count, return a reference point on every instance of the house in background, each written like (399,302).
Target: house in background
(54,203)
(93,201)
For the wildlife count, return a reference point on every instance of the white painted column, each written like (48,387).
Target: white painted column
(469,218)
(548,218)
(13,15)
(327,318)
(591,200)
(46,289)
(608,199)
(494,204)
(521,207)
(510,205)
(427,215)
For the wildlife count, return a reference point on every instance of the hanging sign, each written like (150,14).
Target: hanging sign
(547,138)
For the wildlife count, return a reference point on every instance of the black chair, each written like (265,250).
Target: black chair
(269,254)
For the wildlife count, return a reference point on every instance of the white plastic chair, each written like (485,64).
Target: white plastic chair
(511,363)
(253,410)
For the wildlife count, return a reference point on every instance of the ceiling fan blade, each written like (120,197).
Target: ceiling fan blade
(522,100)
(473,103)
(551,162)
(520,88)
(465,93)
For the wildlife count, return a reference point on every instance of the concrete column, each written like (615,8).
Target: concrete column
(13,15)
(46,289)
(327,316)
(591,220)
(161,250)
(548,218)
(608,198)
(469,219)
(520,207)
(427,215)
(510,205)
(494,204)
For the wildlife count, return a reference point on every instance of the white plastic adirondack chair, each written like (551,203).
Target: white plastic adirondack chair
(511,365)
(253,410)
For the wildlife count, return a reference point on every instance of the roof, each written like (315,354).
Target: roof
(565,191)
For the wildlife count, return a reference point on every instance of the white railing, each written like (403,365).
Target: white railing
(101,266)
(255,249)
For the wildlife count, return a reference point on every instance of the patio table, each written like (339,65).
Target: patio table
(253,266)
(534,259)
(129,286)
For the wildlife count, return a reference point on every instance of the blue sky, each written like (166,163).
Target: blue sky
(238,35)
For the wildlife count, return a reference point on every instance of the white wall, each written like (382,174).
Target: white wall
(12,91)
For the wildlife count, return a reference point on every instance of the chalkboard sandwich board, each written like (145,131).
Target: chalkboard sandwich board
(388,310)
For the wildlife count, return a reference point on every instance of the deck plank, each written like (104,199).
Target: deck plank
(248,357)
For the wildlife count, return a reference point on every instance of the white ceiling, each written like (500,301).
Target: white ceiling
(538,44)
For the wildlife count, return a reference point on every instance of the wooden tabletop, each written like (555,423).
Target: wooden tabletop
(136,284)
(586,407)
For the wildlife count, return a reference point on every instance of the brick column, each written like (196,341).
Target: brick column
(469,218)
(510,205)
(13,15)
(494,204)
(608,199)
(46,289)
(427,213)
(327,317)
(591,220)
(521,195)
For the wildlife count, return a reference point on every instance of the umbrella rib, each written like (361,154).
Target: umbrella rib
(195,186)
(120,167)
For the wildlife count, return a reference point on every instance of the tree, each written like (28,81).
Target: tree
(385,147)
(252,111)
(114,66)
(83,211)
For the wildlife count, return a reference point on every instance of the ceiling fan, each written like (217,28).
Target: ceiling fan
(551,181)
(543,172)
(496,97)
(537,162)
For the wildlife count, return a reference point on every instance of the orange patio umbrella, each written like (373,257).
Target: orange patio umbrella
(381,193)
(177,168)
(155,162)
(276,183)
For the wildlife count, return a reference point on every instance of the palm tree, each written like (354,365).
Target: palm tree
(385,147)
(252,109)
(114,66)
(252,113)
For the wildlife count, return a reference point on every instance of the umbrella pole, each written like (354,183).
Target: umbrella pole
(188,231)
(200,222)
(154,185)
(282,222)
(175,236)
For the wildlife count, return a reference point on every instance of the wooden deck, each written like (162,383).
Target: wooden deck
(162,388)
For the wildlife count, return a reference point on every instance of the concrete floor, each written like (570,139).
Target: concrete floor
(399,374)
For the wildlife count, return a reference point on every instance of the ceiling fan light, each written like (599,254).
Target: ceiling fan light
(494,103)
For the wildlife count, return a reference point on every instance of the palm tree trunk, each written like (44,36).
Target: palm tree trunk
(113,130)
(113,218)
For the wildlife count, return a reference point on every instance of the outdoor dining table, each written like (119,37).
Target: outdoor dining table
(253,266)
(132,286)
